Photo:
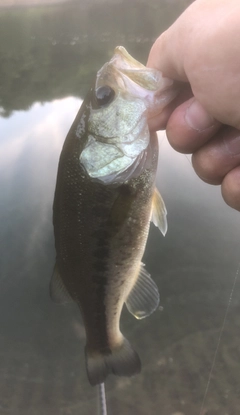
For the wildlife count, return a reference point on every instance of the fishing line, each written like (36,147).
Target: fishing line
(219,340)
(189,160)
(102,404)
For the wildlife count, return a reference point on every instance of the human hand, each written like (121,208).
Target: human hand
(202,50)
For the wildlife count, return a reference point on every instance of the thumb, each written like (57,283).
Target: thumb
(167,55)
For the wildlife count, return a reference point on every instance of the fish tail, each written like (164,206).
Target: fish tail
(121,361)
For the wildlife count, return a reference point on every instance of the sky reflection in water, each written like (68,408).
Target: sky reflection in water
(194,266)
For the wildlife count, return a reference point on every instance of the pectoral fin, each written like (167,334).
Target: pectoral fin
(58,291)
(144,296)
(159,212)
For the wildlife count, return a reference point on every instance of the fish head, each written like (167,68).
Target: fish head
(124,95)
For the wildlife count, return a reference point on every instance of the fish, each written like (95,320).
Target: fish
(105,198)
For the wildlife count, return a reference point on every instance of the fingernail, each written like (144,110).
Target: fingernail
(197,117)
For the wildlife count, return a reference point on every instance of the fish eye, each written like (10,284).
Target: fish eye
(104,95)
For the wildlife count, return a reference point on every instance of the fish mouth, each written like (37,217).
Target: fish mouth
(144,77)
(127,76)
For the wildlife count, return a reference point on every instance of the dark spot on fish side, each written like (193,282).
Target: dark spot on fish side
(118,263)
(121,208)
(102,242)
(102,198)
(100,281)
(101,233)
(116,299)
(101,252)
(126,190)
(100,266)
(102,239)
(100,211)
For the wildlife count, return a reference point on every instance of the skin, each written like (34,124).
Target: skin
(201,50)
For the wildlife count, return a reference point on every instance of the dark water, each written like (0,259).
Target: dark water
(48,58)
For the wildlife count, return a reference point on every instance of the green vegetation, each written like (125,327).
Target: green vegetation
(54,51)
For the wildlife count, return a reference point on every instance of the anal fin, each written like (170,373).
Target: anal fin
(58,291)
(144,296)
(159,212)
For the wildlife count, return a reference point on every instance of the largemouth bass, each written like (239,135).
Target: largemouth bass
(104,200)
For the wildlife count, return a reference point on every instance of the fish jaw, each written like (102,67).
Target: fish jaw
(132,78)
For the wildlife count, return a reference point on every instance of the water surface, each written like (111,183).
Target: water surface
(49,56)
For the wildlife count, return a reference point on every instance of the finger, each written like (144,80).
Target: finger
(218,157)
(168,59)
(190,127)
(159,121)
(231,188)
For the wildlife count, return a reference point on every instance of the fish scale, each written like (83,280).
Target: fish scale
(104,198)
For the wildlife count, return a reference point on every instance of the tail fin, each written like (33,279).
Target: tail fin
(122,361)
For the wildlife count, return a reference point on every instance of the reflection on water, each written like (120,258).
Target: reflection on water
(52,52)
(42,345)
(42,368)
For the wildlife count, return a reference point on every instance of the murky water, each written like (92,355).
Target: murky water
(49,56)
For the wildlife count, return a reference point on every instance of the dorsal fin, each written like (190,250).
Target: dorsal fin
(159,212)
(144,296)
